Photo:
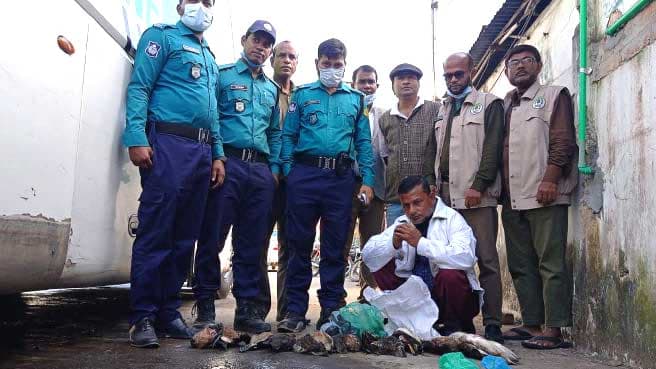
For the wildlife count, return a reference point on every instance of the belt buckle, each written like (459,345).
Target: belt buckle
(246,155)
(326,163)
(203,135)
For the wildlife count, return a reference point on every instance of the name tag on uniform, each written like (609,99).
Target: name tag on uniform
(239,87)
(190,49)
(310,102)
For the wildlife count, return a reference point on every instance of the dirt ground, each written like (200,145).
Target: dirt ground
(87,328)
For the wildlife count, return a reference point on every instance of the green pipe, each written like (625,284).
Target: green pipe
(583,85)
(635,9)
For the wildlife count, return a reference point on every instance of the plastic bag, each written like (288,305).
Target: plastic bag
(363,317)
(494,362)
(410,306)
(455,360)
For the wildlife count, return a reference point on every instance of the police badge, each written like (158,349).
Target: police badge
(539,102)
(313,118)
(152,50)
(195,71)
(476,108)
(240,106)
(292,107)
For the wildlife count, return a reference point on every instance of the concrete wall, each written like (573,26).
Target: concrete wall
(612,252)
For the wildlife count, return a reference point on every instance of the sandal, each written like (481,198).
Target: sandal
(522,335)
(558,342)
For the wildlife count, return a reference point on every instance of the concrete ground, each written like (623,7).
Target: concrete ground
(87,328)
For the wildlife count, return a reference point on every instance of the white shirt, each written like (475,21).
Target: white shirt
(450,245)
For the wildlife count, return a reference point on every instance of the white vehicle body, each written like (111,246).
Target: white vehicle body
(68,189)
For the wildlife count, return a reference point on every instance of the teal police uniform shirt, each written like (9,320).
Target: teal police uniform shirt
(248,111)
(174,80)
(321,124)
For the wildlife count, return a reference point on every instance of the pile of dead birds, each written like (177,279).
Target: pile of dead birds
(401,343)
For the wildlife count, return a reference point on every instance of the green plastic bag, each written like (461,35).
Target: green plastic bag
(363,318)
(455,360)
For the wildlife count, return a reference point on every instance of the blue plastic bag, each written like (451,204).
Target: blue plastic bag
(494,362)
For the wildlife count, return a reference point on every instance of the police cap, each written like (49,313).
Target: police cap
(264,26)
(405,68)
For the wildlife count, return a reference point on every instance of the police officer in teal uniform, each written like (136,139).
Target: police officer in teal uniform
(172,133)
(325,130)
(250,127)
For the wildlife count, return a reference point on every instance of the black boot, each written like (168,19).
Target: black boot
(205,314)
(142,334)
(324,316)
(176,328)
(247,318)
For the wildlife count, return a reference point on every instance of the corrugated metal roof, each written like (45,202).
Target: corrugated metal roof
(486,51)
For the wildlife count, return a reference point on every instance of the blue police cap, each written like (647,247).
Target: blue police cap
(264,26)
(405,68)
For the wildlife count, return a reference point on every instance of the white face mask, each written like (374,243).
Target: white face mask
(331,77)
(197,17)
(369,99)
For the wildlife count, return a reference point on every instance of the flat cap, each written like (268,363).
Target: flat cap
(264,26)
(405,68)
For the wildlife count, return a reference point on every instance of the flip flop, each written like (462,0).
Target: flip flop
(558,343)
(522,335)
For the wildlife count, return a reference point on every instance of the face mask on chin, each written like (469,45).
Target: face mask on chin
(331,77)
(369,99)
(197,17)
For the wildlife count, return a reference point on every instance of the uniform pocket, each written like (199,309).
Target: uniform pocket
(313,115)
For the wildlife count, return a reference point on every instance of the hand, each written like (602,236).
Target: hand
(408,233)
(433,190)
(472,198)
(141,156)
(218,173)
(547,193)
(368,192)
(396,239)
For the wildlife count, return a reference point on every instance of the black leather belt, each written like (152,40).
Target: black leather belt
(324,162)
(201,135)
(247,155)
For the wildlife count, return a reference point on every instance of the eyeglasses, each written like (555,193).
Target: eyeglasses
(459,74)
(529,60)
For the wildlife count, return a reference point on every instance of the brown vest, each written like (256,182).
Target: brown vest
(528,146)
(465,148)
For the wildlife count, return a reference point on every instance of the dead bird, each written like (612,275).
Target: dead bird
(471,345)
(208,337)
(318,343)
(281,342)
(411,343)
(258,341)
(233,338)
(390,345)
(352,343)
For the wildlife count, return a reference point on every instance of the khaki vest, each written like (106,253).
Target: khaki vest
(528,146)
(465,148)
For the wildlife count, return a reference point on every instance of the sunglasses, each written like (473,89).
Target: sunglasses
(459,75)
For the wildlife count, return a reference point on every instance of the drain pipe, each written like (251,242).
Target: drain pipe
(583,85)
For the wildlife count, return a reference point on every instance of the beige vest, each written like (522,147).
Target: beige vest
(528,146)
(465,148)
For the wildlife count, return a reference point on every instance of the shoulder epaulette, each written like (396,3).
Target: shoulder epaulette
(226,66)
(163,25)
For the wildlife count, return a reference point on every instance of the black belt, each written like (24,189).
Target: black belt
(324,162)
(201,135)
(247,155)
